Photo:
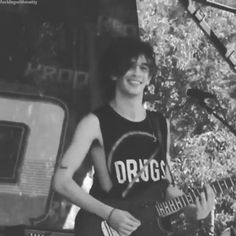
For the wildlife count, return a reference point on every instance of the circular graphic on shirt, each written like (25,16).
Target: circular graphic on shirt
(135,157)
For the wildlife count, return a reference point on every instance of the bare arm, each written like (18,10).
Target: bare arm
(86,132)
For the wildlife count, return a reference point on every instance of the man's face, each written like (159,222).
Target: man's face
(136,78)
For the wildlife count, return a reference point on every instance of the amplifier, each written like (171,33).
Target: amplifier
(22,230)
(40,232)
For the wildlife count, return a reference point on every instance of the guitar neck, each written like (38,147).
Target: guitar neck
(174,205)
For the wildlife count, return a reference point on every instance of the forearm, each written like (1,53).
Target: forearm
(75,194)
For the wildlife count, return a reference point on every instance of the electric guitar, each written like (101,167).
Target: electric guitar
(158,217)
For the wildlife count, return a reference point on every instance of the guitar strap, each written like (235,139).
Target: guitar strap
(154,121)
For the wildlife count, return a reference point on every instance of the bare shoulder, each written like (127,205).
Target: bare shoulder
(88,127)
(89,119)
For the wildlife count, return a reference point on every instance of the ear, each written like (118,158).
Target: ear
(113,78)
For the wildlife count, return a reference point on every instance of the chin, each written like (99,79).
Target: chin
(135,94)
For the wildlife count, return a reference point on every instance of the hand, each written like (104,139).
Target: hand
(205,203)
(123,222)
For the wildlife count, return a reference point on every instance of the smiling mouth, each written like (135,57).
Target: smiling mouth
(132,81)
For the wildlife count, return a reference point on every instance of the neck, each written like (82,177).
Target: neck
(131,109)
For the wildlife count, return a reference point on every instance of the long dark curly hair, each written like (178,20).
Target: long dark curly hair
(117,59)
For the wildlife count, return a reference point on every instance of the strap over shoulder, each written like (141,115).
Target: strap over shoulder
(159,126)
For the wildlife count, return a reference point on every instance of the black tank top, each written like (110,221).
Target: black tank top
(128,145)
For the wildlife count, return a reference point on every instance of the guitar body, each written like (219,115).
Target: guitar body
(142,207)
(148,206)
(174,225)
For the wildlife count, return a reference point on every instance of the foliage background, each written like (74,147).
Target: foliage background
(203,149)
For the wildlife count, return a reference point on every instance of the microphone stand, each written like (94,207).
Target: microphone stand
(217,5)
(202,103)
(199,18)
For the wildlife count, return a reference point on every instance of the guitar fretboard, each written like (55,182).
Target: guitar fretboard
(174,205)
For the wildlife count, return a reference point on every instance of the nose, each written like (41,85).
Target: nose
(137,69)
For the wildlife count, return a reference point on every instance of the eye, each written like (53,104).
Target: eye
(133,65)
(144,68)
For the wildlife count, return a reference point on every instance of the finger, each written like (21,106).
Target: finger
(198,204)
(210,191)
(133,224)
(133,219)
(130,228)
(203,200)
(211,198)
(125,231)
(207,191)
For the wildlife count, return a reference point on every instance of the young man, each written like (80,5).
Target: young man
(121,138)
